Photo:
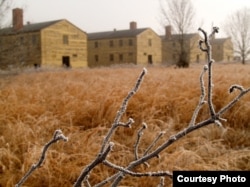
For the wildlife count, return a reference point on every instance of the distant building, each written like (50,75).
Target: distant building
(137,46)
(53,43)
(222,49)
(171,47)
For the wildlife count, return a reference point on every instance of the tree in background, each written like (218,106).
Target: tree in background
(180,15)
(5,6)
(238,28)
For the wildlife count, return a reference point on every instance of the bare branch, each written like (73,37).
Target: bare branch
(139,135)
(58,135)
(234,101)
(213,119)
(202,97)
(105,149)
(208,50)
(147,174)
(154,142)
(123,109)
(99,159)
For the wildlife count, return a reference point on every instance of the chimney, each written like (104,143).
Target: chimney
(17,16)
(133,25)
(168,32)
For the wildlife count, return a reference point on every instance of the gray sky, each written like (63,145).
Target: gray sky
(104,15)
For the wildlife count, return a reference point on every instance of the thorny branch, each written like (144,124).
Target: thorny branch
(58,135)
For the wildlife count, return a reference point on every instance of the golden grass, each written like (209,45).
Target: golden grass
(83,104)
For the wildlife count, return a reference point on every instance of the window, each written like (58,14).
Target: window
(111,57)
(130,42)
(65,39)
(120,43)
(96,58)
(96,44)
(111,43)
(149,42)
(120,57)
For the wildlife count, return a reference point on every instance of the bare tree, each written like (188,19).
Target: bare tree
(238,28)
(5,6)
(180,14)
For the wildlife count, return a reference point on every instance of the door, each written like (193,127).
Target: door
(150,59)
(66,61)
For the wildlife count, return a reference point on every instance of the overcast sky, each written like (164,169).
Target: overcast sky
(104,15)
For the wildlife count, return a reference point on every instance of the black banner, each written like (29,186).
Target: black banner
(211,178)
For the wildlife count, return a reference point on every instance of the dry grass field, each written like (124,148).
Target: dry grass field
(83,104)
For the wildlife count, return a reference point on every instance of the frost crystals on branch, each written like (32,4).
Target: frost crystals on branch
(152,151)
(58,135)
(214,118)
(107,145)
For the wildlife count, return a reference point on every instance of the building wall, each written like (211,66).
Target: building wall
(149,48)
(23,49)
(108,52)
(171,50)
(142,49)
(222,51)
(63,40)
(195,54)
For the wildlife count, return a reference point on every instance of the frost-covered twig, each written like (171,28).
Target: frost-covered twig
(137,174)
(122,110)
(208,50)
(214,117)
(58,135)
(99,159)
(202,97)
(139,135)
(153,151)
(117,122)
(243,91)
(154,142)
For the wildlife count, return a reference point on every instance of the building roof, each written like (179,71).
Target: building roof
(28,28)
(115,34)
(175,37)
(219,40)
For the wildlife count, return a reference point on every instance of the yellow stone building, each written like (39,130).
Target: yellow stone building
(52,43)
(171,47)
(222,49)
(60,43)
(134,45)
